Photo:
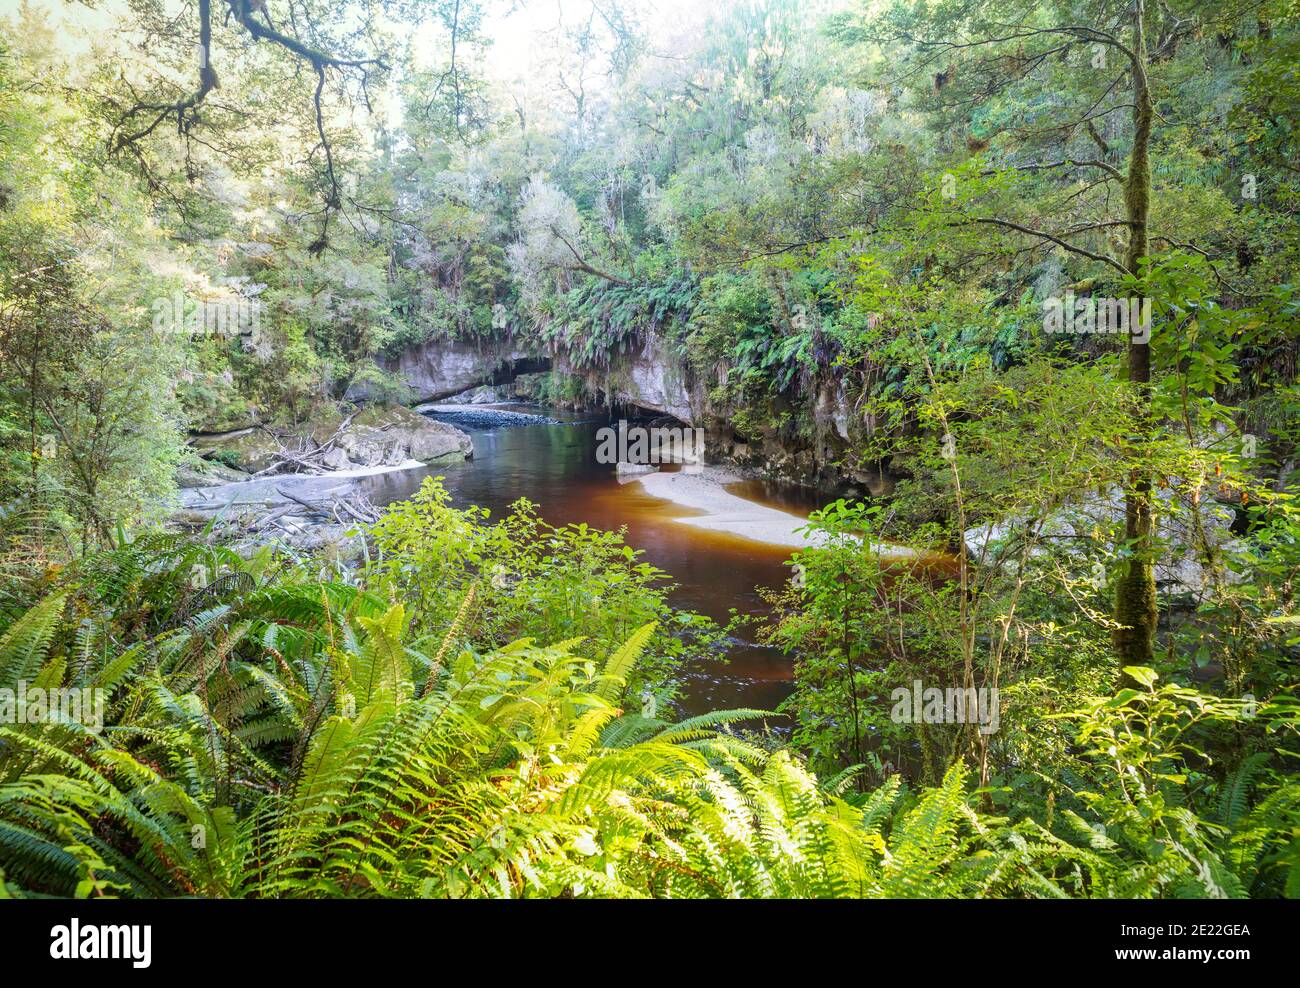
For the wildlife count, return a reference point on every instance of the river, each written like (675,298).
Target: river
(554,466)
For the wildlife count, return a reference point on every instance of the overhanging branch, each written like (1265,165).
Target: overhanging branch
(185,110)
(1053,238)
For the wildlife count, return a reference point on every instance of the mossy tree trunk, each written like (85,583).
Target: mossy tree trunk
(1135,586)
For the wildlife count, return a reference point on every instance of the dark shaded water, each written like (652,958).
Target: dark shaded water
(555,467)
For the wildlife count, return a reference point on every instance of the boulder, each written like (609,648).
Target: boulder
(249,450)
(392,435)
(206,473)
(375,436)
(336,459)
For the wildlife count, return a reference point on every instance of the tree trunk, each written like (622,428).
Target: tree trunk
(1135,588)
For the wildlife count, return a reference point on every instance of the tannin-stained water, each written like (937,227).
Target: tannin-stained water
(555,467)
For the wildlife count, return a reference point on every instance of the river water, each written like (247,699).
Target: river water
(554,466)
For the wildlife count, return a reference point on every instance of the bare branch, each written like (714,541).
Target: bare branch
(582,265)
(1053,238)
(1075,162)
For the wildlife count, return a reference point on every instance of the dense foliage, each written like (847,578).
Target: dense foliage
(270,734)
(848,232)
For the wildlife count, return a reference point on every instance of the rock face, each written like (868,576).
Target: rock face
(779,440)
(652,378)
(649,378)
(441,369)
(438,369)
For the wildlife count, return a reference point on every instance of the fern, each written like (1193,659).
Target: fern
(275,743)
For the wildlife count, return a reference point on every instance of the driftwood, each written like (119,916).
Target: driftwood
(297,500)
(309,457)
(356,504)
(291,514)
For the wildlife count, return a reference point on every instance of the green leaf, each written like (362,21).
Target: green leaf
(1141,674)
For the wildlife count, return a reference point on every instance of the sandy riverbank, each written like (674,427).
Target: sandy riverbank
(721,511)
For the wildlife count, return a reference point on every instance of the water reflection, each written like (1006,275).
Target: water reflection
(555,467)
